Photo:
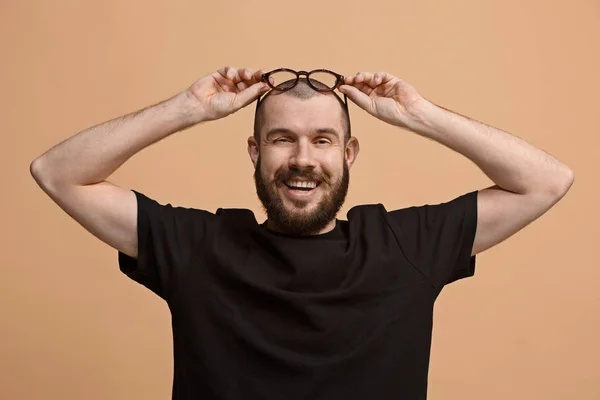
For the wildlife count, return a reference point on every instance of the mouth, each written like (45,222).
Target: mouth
(300,189)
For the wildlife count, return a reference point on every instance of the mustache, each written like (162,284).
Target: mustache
(291,175)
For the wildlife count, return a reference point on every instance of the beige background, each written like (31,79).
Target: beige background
(525,327)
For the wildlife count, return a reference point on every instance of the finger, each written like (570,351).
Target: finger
(226,77)
(228,73)
(363,87)
(358,81)
(360,98)
(255,77)
(221,78)
(250,94)
(237,77)
(258,75)
(379,78)
(245,74)
(242,78)
(245,84)
(364,77)
(249,78)
(368,79)
(386,78)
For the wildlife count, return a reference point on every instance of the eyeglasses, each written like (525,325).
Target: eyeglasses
(321,80)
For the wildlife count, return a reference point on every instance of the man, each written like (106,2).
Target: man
(303,306)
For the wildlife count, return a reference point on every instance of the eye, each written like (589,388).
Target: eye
(281,140)
(323,141)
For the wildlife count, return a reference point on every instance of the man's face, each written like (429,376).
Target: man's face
(301,173)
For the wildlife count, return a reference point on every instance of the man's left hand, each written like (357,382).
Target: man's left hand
(384,96)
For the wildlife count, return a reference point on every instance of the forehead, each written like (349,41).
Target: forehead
(302,115)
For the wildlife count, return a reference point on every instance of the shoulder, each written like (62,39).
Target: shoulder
(365,210)
(154,207)
(462,205)
(174,215)
(458,204)
(237,216)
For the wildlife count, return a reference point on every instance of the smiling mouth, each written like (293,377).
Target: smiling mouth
(303,188)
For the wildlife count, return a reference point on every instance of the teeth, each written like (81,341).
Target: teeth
(310,185)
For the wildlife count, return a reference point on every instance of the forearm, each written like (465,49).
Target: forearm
(510,162)
(92,155)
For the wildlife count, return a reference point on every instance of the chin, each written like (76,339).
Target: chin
(301,205)
(302,209)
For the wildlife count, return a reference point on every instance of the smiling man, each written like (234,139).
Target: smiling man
(303,305)
(303,175)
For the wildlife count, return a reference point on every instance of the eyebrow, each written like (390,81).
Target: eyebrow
(319,131)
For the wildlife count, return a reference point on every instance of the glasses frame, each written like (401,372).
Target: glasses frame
(339,81)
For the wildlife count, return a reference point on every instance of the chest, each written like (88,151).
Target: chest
(314,290)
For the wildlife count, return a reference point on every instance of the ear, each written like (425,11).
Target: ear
(253,150)
(352,149)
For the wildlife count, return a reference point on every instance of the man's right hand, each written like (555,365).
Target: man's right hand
(224,92)
(74,172)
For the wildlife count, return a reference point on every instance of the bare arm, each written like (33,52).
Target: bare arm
(91,156)
(73,173)
(528,180)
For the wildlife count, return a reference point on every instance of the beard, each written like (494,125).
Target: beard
(299,221)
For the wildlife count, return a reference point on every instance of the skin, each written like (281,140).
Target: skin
(302,140)
(527,181)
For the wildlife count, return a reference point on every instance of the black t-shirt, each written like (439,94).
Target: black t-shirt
(342,315)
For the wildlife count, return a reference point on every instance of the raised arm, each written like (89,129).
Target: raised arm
(528,181)
(73,173)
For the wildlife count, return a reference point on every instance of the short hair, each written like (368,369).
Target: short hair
(304,92)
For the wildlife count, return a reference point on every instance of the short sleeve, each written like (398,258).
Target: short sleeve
(438,239)
(168,240)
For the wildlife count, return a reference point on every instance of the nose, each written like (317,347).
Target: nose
(302,156)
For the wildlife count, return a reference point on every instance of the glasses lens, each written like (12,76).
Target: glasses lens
(282,79)
(323,80)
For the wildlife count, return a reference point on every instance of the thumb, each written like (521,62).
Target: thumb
(358,97)
(250,94)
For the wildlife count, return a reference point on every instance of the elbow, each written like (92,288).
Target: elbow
(564,181)
(35,169)
(39,173)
